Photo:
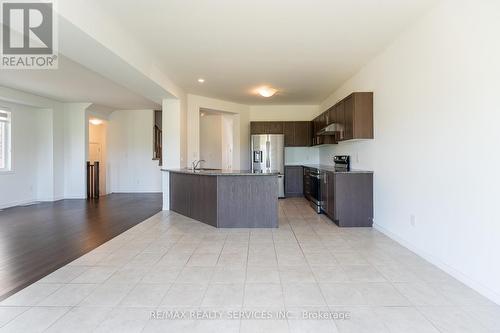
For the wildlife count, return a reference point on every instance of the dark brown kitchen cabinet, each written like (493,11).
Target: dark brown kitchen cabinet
(348,198)
(289,131)
(319,123)
(348,118)
(266,127)
(297,133)
(259,127)
(332,115)
(327,194)
(353,115)
(275,127)
(358,116)
(294,181)
(302,133)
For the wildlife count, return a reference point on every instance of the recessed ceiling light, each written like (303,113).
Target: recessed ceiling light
(201,80)
(95,121)
(266,91)
(202,114)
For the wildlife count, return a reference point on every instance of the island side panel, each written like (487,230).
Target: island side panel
(194,196)
(248,201)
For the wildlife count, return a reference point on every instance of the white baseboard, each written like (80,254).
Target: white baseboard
(142,189)
(25,202)
(74,197)
(15,203)
(472,283)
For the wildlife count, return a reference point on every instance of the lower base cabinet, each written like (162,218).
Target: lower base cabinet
(294,186)
(348,198)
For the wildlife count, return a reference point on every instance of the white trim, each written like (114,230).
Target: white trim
(472,283)
(136,189)
(24,202)
(15,203)
(74,197)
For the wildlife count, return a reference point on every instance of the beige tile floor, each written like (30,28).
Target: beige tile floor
(308,265)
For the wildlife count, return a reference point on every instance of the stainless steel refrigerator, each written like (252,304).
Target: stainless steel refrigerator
(268,153)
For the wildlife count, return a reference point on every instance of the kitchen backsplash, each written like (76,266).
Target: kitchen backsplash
(301,155)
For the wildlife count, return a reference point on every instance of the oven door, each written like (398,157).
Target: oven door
(316,187)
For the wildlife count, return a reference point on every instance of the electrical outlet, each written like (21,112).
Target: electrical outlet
(413,220)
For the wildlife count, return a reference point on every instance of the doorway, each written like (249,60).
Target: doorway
(216,139)
(97,147)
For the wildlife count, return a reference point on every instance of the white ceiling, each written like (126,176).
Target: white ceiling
(304,48)
(72,82)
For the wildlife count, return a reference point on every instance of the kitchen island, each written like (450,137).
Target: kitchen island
(225,198)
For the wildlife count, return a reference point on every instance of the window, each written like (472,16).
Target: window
(5,141)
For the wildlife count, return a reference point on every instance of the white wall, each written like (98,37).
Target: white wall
(211,140)
(131,151)
(217,140)
(283,112)
(241,128)
(44,152)
(20,185)
(435,152)
(75,148)
(227,141)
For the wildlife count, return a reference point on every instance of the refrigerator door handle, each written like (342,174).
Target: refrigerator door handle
(268,154)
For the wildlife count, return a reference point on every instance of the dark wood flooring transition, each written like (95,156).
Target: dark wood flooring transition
(37,240)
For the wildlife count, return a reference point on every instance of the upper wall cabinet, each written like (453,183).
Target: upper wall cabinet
(266,127)
(297,133)
(356,116)
(353,114)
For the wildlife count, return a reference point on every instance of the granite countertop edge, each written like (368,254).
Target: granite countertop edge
(329,168)
(220,172)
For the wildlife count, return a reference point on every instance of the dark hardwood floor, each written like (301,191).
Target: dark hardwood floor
(36,240)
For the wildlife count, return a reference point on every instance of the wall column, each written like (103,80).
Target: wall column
(171,137)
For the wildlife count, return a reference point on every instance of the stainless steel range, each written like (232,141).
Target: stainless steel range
(342,162)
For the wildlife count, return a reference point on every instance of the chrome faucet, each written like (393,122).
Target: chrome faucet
(196,163)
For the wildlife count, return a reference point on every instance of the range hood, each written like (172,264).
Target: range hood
(330,129)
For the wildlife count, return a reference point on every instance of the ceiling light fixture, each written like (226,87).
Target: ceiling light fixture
(95,121)
(266,91)
(201,80)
